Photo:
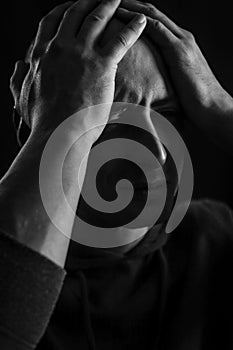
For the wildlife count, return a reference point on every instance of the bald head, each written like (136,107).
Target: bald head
(141,76)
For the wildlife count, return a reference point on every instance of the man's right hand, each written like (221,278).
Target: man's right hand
(68,70)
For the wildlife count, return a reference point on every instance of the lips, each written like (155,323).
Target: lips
(142,186)
(153,184)
(154,177)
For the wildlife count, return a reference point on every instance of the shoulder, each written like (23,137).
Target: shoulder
(200,260)
(210,217)
(207,227)
(200,249)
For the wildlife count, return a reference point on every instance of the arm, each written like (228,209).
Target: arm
(30,286)
(205,102)
(68,73)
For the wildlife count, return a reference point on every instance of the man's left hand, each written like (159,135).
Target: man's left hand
(204,100)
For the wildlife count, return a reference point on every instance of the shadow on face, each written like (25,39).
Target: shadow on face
(141,79)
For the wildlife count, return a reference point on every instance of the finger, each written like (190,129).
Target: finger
(122,42)
(125,15)
(97,21)
(49,24)
(160,34)
(156,30)
(16,81)
(29,52)
(74,17)
(151,11)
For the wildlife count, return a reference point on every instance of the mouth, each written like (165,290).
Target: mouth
(142,186)
(155,179)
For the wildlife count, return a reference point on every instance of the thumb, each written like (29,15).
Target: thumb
(122,42)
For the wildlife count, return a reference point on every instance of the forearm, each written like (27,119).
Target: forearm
(30,287)
(23,214)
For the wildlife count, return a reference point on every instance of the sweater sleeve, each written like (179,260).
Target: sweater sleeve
(30,285)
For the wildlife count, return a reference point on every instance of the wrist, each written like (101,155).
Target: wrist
(218,102)
(215,119)
(212,109)
(88,122)
(223,104)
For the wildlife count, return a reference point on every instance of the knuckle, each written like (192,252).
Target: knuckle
(83,53)
(12,79)
(54,50)
(151,10)
(188,35)
(80,50)
(13,85)
(94,17)
(17,64)
(55,46)
(37,52)
(71,11)
(157,25)
(28,55)
(41,23)
(13,91)
(187,52)
(45,19)
(133,29)
(122,39)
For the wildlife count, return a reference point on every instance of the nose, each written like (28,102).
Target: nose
(142,118)
(147,122)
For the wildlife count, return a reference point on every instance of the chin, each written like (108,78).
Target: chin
(132,208)
(153,215)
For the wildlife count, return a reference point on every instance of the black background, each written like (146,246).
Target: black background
(210,22)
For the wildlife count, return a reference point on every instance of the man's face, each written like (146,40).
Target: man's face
(141,79)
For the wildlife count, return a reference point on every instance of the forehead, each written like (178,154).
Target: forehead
(142,74)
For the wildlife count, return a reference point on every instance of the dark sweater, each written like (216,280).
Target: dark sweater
(171,292)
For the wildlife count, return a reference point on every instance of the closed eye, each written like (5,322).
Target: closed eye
(176,117)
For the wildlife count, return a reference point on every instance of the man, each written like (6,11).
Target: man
(168,292)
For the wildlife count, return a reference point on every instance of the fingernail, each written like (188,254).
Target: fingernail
(140,18)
